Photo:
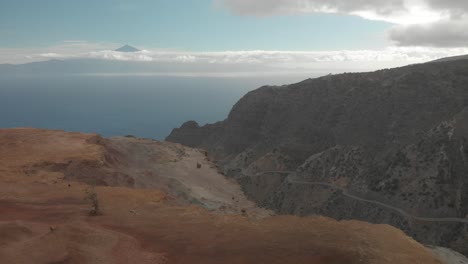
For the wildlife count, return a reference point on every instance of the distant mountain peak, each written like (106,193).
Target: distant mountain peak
(127,48)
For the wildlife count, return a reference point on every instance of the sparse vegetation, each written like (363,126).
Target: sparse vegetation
(92,197)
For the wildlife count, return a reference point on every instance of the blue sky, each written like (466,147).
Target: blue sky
(194,25)
(289,34)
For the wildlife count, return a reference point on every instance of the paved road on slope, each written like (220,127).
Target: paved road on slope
(346,193)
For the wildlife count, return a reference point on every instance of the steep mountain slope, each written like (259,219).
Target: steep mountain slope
(44,218)
(397,137)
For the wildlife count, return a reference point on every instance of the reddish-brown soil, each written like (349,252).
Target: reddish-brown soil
(44,219)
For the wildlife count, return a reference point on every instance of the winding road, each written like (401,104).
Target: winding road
(347,194)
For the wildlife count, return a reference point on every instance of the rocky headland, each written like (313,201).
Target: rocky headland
(389,146)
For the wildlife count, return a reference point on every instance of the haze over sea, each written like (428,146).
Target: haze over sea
(144,106)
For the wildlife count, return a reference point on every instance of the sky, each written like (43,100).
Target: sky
(287,34)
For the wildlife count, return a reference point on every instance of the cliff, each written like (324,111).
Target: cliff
(397,137)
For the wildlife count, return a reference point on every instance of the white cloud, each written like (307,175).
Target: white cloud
(275,58)
(143,55)
(394,11)
(238,63)
(48,55)
(66,49)
(417,22)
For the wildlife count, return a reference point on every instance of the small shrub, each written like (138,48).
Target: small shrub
(92,197)
(198,165)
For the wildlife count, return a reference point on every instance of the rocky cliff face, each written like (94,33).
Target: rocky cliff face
(395,136)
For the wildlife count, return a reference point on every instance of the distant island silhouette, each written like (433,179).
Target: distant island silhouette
(127,48)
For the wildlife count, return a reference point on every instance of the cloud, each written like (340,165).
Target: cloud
(143,55)
(237,63)
(394,11)
(258,57)
(434,23)
(446,33)
(65,49)
(455,8)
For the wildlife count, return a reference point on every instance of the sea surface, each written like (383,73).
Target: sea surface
(144,106)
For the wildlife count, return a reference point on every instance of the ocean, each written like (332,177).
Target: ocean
(143,106)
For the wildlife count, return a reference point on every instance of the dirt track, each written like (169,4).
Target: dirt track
(291,178)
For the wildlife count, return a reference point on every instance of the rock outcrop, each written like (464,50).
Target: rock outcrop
(394,136)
